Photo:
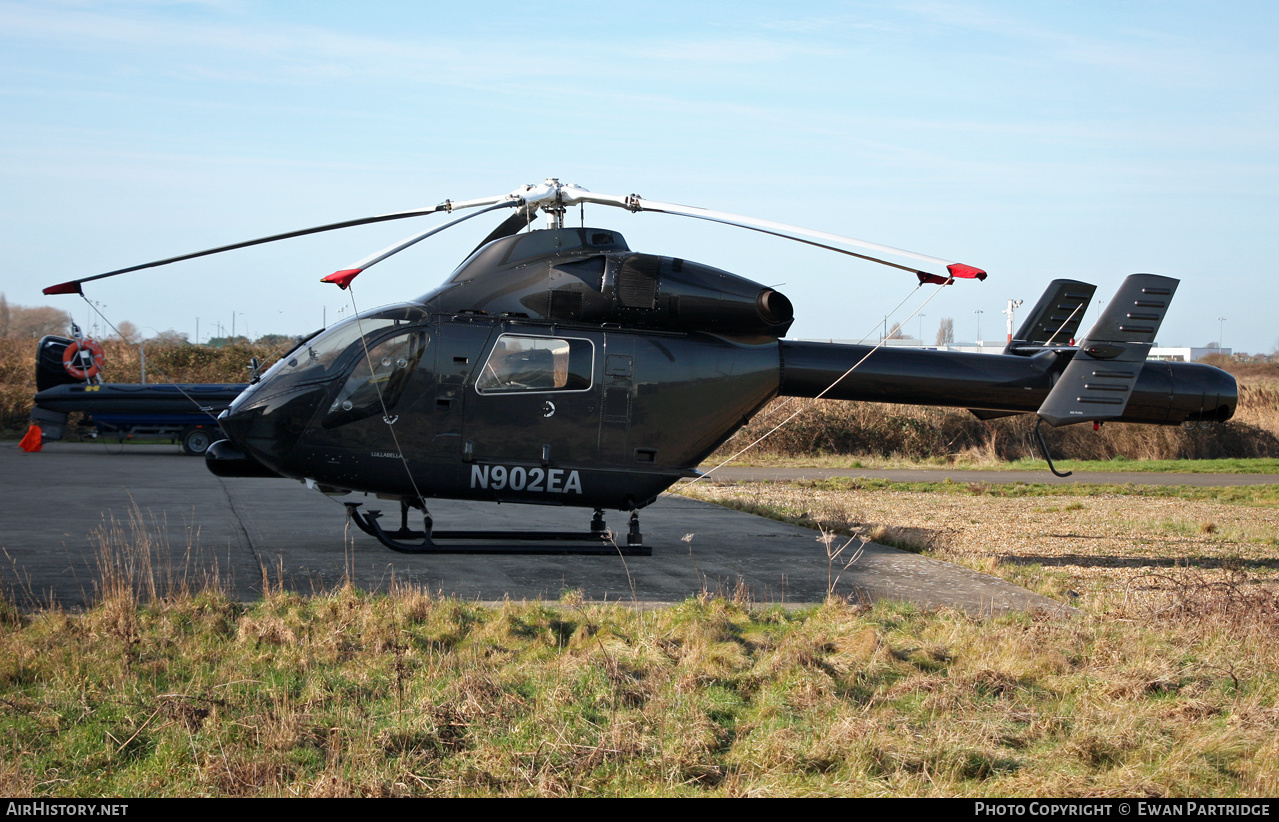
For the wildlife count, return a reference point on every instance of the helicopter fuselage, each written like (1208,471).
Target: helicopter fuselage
(558,367)
(553,367)
(614,439)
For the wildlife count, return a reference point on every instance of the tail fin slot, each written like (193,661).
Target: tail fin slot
(1055,319)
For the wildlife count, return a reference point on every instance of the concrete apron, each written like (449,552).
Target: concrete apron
(61,506)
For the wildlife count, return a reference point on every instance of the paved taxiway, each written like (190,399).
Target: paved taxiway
(59,505)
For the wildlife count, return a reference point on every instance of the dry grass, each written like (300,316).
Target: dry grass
(17,382)
(832,427)
(166,688)
(1109,551)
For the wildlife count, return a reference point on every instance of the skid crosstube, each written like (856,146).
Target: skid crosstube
(599,540)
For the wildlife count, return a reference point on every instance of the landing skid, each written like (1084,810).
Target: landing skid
(599,540)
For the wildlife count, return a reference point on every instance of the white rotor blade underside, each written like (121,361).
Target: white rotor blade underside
(751,222)
(377,257)
(572,194)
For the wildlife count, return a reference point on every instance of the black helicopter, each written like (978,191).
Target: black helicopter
(559,367)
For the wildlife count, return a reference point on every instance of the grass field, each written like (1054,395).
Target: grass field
(1162,685)
(357,695)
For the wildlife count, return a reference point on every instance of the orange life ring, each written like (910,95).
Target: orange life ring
(71,359)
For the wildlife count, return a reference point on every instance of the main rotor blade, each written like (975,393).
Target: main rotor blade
(770,227)
(827,246)
(783,230)
(74,286)
(343,277)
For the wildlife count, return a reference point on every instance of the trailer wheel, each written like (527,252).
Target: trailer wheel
(195,441)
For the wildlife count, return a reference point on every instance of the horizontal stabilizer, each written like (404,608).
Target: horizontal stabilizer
(1055,318)
(1100,378)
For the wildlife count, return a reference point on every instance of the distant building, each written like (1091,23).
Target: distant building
(1186,354)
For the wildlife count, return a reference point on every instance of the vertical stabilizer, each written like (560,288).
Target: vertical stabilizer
(1098,382)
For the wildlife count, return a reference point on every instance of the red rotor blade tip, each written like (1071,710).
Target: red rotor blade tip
(342,278)
(933,279)
(966,271)
(72,287)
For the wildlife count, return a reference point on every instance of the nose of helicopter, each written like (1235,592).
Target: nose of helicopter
(229,457)
(264,425)
(235,426)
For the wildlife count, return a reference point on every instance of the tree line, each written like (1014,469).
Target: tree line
(22,322)
(34,323)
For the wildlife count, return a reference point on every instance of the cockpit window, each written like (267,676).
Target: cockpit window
(378,379)
(314,359)
(522,364)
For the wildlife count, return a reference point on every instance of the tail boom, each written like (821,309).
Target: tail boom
(1165,393)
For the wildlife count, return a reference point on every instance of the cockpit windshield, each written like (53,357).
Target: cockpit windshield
(319,358)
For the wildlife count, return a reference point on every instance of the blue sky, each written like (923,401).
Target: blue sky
(1035,140)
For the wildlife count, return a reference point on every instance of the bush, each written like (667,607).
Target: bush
(166,362)
(833,427)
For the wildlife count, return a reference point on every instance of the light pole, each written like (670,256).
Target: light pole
(921,328)
(978,312)
(1221,324)
(90,324)
(1013,305)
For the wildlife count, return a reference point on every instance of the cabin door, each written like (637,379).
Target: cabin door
(616,398)
(533,399)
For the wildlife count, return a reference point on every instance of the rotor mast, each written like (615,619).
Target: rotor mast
(555,210)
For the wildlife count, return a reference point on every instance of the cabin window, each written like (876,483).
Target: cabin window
(378,379)
(523,364)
